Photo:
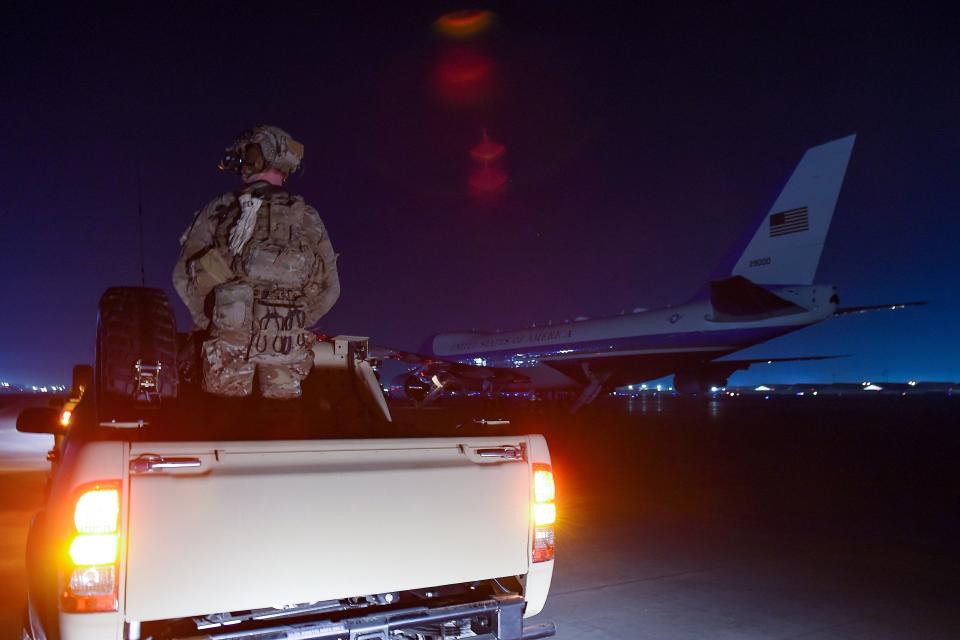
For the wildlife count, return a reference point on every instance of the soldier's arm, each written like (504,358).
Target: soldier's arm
(197,239)
(323,289)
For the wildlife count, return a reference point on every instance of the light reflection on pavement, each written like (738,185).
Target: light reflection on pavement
(23,467)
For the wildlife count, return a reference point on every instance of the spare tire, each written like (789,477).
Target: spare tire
(136,360)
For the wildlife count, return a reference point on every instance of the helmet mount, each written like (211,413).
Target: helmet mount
(261,148)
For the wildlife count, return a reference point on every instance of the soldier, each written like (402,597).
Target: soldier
(256,269)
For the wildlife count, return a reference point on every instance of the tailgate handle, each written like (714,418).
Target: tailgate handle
(148,463)
(503,453)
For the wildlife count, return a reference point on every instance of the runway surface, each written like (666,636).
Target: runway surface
(21,451)
(798,518)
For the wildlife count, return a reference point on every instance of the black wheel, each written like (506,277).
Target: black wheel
(136,359)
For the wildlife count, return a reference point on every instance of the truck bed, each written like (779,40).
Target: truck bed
(247,525)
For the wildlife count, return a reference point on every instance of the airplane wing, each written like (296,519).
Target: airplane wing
(632,367)
(389,353)
(429,367)
(744,363)
(891,306)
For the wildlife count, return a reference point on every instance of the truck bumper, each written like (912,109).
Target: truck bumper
(499,618)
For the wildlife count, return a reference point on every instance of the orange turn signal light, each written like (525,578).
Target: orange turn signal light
(91,550)
(89,578)
(544,489)
(97,511)
(543,512)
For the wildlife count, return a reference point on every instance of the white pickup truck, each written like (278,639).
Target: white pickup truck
(195,517)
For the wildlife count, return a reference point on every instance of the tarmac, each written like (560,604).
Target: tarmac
(803,518)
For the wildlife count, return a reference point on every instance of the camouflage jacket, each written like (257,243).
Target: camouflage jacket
(282,246)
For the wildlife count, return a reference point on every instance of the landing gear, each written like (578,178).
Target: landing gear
(433,395)
(698,382)
(595,385)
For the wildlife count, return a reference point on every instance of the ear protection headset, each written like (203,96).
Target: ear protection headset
(259,148)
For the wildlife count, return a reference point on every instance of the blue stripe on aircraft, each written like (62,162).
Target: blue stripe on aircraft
(687,340)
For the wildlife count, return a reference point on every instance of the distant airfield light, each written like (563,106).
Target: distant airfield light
(873,387)
(462,25)
(912,383)
(762,387)
(659,387)
(643,386)
(769,361)
(816,393)
(714,389)
(34,387)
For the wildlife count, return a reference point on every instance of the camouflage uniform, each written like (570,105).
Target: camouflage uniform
(264,260)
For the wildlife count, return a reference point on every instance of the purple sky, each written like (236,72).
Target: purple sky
(639,144)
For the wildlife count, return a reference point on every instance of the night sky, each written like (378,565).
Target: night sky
(640,143)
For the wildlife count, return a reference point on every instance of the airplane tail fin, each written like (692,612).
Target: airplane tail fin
(786,247)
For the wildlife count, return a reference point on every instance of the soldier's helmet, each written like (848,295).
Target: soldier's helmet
(260,148)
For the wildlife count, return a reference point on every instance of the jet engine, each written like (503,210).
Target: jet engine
(408,386)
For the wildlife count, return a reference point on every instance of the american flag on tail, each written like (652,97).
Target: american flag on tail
(790,221)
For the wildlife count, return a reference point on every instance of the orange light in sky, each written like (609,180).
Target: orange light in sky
(465,24)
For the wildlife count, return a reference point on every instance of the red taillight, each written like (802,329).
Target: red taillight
(89,576)
(543,512)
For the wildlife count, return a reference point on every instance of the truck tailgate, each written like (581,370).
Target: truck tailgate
(261,524)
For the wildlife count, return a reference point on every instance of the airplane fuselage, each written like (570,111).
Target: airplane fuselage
(655,343)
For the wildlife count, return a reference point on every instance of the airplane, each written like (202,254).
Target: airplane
(767,291)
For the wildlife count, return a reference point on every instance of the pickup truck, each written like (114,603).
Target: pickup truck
(174,514)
